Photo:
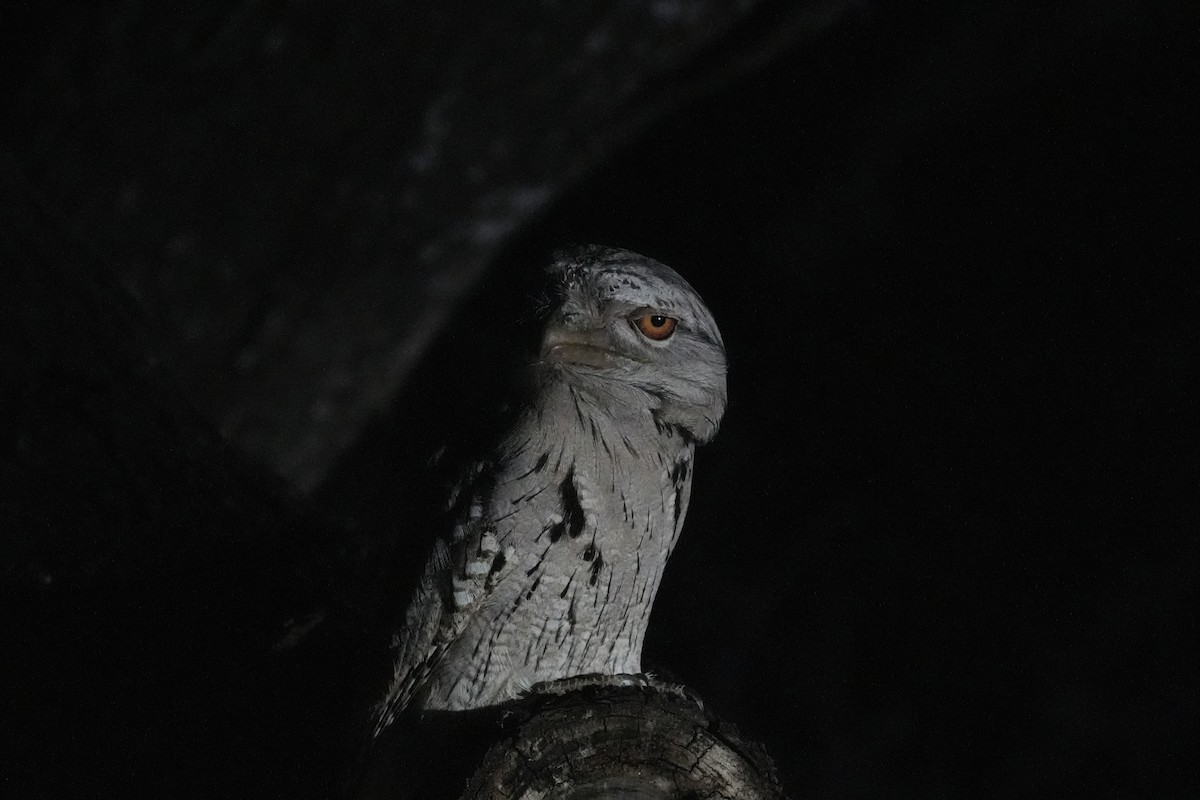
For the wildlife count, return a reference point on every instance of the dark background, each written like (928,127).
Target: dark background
(259,259)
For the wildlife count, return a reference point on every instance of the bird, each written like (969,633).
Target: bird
(560,532)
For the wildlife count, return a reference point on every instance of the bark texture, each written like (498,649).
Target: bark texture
(638,743)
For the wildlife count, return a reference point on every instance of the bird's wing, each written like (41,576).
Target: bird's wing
(459,576)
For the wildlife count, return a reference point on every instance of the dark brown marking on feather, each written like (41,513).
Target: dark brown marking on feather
(571,619)
(503,517)
(664,428)
(624,624)
(578,410)
(597,565)
(533,587)
(573,515)
(567,588)
(527,496)
(679,479)
(537,467)
(529,572)
(629,447)
(659,425)
(538,660)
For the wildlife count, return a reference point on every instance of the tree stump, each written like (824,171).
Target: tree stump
(644,742)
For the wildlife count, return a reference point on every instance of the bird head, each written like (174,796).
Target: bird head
(617,318)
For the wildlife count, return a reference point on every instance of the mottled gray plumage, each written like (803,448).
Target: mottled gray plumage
(565,529)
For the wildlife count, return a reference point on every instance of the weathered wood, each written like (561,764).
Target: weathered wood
(654,742)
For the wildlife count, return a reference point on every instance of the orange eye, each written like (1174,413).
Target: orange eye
(655,326)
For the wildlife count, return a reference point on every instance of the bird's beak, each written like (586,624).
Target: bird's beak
(590,348)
